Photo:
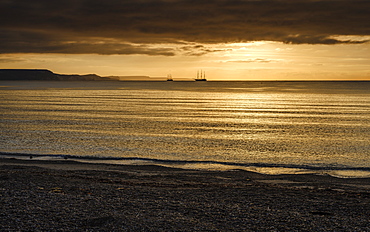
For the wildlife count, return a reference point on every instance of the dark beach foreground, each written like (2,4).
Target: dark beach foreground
(64,195)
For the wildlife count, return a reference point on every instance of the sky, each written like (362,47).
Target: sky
(228,39)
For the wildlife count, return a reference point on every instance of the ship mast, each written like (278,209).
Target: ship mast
(201,75)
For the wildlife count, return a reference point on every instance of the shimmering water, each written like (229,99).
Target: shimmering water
(271,127)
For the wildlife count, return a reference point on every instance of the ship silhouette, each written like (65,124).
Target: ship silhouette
(201,76)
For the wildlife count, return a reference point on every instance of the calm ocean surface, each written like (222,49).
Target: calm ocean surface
(268,127)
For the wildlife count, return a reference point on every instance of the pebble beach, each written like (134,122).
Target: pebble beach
(64,195)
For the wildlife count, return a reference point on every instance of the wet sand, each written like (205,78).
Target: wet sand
(63,195)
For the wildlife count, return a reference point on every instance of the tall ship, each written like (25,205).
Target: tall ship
(201,76)
(169,77)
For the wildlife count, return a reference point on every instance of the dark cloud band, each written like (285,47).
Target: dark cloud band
(85,26)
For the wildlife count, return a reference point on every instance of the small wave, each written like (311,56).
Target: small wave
(233,165)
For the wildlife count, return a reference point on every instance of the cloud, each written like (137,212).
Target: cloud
(132,26)
(198,50)
(46,42)
(320,39)
(254,60)
(10,60)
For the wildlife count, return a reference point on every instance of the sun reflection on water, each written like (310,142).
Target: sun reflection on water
(221,122)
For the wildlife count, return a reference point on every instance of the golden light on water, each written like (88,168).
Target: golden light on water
(268,127)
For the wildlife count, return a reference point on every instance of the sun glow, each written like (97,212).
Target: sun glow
(260,60)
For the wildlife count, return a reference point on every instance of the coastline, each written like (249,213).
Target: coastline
(262,168)
(65,195)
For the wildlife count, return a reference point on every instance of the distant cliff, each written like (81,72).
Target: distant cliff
(45,75)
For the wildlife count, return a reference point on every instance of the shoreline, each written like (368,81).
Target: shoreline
(66,195)
(265,169)
(309,180)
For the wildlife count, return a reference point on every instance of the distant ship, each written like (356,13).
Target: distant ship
(201,77)
(169,77)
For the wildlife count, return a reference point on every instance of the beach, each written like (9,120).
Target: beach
(179,115)
(64,195)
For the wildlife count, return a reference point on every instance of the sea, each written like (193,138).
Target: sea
(271,127)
